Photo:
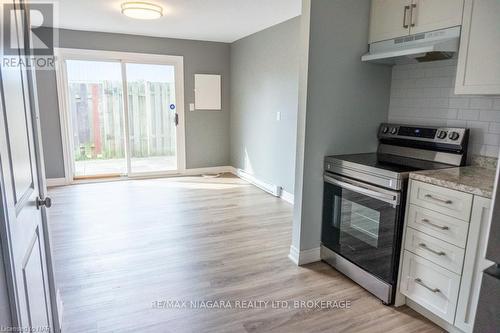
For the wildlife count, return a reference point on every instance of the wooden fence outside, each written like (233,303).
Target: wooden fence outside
(98,119)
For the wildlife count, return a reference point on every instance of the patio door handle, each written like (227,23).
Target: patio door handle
(176,119)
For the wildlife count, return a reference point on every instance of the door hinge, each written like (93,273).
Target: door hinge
(176,120)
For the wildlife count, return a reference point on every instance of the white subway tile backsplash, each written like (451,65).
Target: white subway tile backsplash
(456,123)
(416,74)
(482,103)
(438,102)
(468,114)
(459,102)
(487,115)
(446,71)
(480,126)
(491,139)
(424,94)
(496,104)
(494,128)
(415,92)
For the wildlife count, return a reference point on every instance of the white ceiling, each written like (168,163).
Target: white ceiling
(211,20)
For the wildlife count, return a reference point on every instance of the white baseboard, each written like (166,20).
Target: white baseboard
(51,182)
(275,190)
(294,255)
(270,188)
(211,170)
(288,197)
(304,257)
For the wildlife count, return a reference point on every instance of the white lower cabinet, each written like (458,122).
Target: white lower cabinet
(474,264)
(446,228)
(444,250)
(430,285)
(441,253)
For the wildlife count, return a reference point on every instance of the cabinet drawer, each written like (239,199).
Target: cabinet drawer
(441,226)
(429,285)
(444,254)
(449,202)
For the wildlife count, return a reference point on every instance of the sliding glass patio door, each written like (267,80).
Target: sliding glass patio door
(124,114)
(152,118)
(95,95)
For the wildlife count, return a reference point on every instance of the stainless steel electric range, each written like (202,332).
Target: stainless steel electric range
(364,200)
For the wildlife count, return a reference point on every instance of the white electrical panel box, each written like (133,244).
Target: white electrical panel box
(207,92)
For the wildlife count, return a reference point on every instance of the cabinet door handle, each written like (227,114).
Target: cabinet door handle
(420,282)
(412,21)
(442,227)
(405,15)
(430,196)
(425,247)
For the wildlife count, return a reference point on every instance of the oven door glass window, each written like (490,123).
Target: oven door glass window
(362,229)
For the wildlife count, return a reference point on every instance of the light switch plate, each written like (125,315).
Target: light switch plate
(278,116)
(191,106)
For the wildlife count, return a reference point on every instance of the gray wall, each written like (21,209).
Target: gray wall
(207,133)
(264,81)
(345,103)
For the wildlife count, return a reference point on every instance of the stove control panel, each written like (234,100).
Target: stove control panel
(449,135)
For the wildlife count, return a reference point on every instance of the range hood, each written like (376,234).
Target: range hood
(427,46)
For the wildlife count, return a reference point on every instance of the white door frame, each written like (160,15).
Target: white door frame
(63,54)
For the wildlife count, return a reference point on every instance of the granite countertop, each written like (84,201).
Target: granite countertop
(472,179)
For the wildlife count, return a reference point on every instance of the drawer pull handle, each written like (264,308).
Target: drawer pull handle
(425,247)
(430,196)
(442,227)
(420,282)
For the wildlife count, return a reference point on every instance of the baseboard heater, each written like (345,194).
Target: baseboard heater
(270,188)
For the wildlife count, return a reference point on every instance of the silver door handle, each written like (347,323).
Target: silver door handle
(442,227)
(47,202)
(425,247)
(405,15)
(430,196)
(412,22)
(420,282)
(389,198)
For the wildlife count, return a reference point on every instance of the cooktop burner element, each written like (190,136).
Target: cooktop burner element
(403,149)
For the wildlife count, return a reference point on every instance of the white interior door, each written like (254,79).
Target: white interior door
(23,232)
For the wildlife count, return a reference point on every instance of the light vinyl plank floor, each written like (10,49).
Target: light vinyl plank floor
(120,247)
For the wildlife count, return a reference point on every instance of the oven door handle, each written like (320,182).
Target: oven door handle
(359,188)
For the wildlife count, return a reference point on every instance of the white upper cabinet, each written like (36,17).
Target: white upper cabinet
(397,18)
(389,19)
(430,15)
(478,62)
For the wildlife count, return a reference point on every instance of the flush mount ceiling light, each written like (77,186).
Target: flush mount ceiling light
(142,10)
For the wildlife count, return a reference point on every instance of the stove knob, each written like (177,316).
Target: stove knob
(385,130)
(394,130)
(442,135)
(454,136)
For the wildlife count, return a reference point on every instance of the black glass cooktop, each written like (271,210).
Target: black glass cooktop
(392,163)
